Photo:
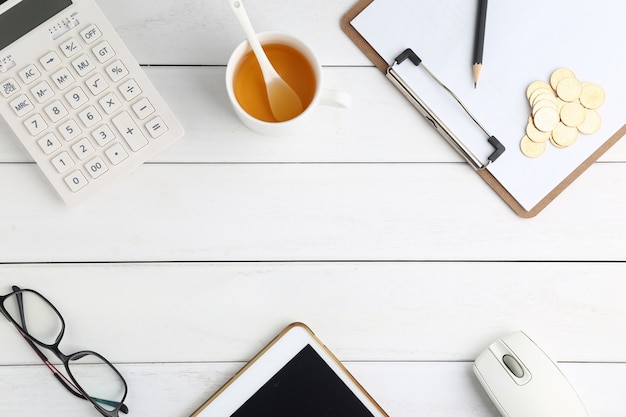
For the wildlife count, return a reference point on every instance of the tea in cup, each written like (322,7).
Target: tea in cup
(295,63)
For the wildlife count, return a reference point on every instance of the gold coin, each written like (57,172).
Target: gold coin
(559,74)
(573,114)
(532,149)
(564,136)
(556,145)
(544,103)
(541,95)
(541,91)
(592,122)
(535,134)
(536,98)
(592,96)
(545,119)
(535,85)
(569,89)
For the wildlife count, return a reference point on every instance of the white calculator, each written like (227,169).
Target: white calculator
(75,96)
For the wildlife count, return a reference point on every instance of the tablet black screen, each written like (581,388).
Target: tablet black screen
(305,387)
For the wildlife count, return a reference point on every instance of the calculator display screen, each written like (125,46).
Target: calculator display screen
(26,16)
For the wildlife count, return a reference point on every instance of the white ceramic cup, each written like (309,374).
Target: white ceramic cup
(321,95)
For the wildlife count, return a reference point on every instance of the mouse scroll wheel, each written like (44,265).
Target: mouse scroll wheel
(513,365)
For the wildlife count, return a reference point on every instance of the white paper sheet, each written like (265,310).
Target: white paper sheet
(524,42)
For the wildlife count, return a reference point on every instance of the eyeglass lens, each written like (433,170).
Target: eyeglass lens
(36,317)
(98,379)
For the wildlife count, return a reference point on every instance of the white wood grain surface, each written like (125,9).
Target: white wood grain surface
(366,226)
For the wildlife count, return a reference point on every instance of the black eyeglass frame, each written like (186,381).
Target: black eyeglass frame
(72,385)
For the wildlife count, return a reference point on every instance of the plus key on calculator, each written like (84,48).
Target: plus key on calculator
(75,97)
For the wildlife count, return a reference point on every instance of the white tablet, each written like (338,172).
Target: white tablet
(295,375)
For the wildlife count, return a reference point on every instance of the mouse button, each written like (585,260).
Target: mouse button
(513,365)
(515,368)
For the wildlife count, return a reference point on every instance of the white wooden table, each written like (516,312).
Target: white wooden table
(366,226)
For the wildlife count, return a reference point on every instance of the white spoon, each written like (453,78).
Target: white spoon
(284,102)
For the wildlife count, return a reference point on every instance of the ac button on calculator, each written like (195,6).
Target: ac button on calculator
(75,96)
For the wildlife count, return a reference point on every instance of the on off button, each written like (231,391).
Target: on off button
(91,33)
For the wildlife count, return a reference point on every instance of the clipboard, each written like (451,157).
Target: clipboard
(399,31)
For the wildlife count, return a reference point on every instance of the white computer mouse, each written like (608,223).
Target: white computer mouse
(523,381)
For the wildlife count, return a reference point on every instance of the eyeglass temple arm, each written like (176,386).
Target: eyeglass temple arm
(53,369)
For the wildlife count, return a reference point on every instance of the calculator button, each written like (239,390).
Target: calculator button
(116,153)
(83,148)
(49,143)
(35,124)
(70,47)
(97,84)
(29,74)
(110,103)
(76,97)
(91,33)
(103,135)
(9,87)
(116,71)
(89,116)
(50,60)
(76,180)
(22,106)
(103,52)
(143,108)
(63,78)
(69,130)
(130,89)
(83,65)
(96,167)
(129,131)
(62,162)
(42,92)
(56,111)
(156,127)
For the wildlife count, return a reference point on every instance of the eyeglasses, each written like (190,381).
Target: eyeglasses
(91,376)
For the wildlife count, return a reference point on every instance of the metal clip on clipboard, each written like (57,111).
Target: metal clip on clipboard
(397,80)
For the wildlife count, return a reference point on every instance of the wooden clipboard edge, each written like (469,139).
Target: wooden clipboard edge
(382,65)
(359,40)
(574,174)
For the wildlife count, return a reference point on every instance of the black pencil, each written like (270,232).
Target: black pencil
(479,39)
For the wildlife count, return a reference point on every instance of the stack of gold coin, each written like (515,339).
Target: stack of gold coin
(560,110)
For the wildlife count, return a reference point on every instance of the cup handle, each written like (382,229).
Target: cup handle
(335,98)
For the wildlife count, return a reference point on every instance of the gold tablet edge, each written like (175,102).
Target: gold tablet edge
(266,348)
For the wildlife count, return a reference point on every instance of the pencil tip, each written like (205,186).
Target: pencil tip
(476,72)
